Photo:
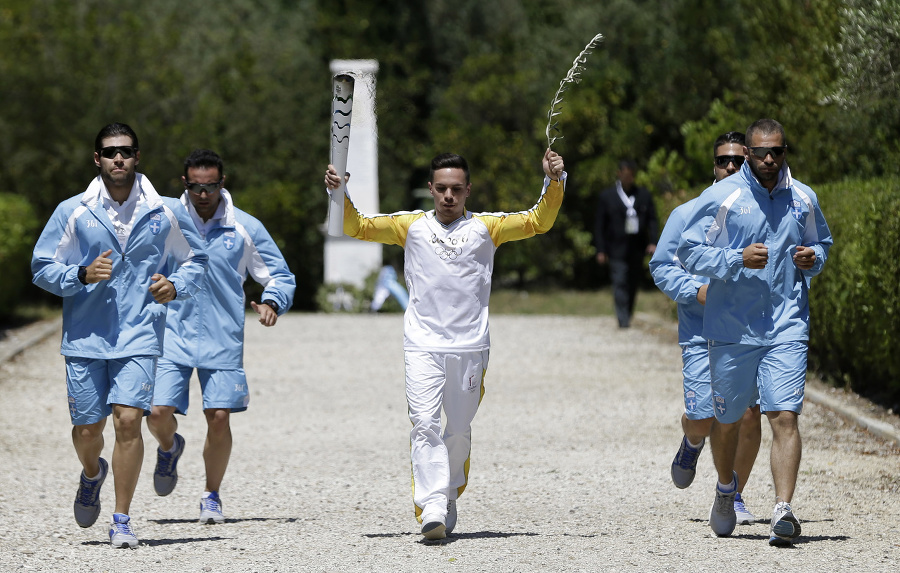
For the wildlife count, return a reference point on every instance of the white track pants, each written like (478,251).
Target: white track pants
(440,458)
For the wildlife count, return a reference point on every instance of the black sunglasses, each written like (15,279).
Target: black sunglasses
(724,160)
(761,152)
(127,151)
(198,188)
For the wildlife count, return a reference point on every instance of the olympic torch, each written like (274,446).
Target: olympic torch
(341,110)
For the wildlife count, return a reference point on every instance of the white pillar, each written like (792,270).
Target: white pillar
(350,260)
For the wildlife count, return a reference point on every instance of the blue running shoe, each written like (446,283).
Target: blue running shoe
(165,476)
(721,517)
(87,500)
(121,535)
(684,466)
(785,527)
(211,509)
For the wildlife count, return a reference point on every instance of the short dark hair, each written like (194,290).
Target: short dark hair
(204,158)
(451,161)
(113,130)
(766,127)
(729,137)
(629,164)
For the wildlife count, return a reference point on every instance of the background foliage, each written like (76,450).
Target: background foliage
(16,244)
(250,79)
(856,302)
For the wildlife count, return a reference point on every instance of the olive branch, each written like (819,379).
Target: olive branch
(574,76)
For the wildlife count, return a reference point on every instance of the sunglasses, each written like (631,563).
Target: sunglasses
(198,188)
(761,152)
(127,151)
(724,160)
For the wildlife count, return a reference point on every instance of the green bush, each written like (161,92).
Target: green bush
(855,302)
(18,228)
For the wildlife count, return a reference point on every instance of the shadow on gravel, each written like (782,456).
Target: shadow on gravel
(159,542)
(453,536)
(812,538)
(490,535)
(227,520)
(802,540)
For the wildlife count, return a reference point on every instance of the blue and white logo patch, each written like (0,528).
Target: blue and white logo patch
(690,401)
(719,404)
(795,210)
(228,239)
(155,223)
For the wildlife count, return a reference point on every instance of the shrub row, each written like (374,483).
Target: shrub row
(855,302)
(18,232)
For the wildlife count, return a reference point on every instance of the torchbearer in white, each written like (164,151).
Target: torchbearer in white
(341,113)
(448,265)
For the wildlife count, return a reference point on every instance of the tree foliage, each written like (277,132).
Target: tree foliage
(250,79)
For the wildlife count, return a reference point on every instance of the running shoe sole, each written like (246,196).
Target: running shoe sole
(785,531)
(434,530)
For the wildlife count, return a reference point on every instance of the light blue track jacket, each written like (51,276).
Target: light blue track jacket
(755,306)
(116,318)
(207,330)
(678,284)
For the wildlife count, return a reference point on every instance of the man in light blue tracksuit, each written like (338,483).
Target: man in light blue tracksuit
(207,331)
(689,291)
(105,252)
(761,237)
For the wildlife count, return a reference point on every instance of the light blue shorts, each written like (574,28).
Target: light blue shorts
(697,389)
(220,388)
(742,374)
(94,384)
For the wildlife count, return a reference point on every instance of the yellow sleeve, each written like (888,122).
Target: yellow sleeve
(505,227)
(387,229)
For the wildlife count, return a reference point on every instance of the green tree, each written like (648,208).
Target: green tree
(868,86)
(234,77)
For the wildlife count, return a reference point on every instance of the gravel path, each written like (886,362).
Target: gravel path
(570,466)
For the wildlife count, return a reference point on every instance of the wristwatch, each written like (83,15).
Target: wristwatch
(82,275)
(272,304)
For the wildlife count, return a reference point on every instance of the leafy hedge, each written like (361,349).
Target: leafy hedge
(18,229)
(855,302)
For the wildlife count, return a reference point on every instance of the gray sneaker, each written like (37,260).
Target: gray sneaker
(165,476)
(121,535)
(451,516)
(721,517)
(785,527)
(87,500)
(684,466)
(744,517)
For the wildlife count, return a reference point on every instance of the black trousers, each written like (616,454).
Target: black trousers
(625,275)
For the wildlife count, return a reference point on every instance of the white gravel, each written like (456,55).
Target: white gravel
(570,466)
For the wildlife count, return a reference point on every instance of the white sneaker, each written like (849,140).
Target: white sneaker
(433,526)
(744,517)
(785,528)
(120,532)
(211,509)
(721,517)
(451,515)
